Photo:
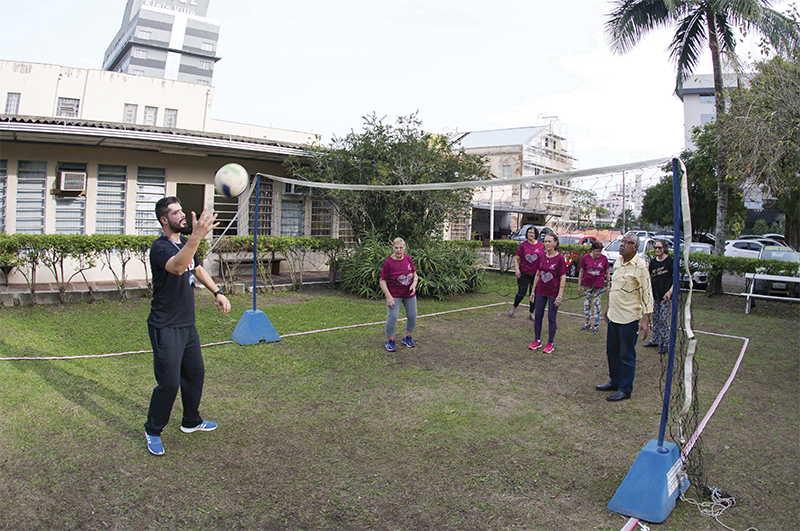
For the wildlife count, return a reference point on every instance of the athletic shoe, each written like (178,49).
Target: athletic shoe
(407,341)
(206,425)
(530,316)
(548,348)
(390,346)
(511,311)
(594,329)
(536,344)
(587,326)
(154,444)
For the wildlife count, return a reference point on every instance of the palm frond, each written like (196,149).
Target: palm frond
(633,19)
(688,44)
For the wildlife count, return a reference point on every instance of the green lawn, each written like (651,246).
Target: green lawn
(328,431)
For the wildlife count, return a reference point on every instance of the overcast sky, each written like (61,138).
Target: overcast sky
(319,66)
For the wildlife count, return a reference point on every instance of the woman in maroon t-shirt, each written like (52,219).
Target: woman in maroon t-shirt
(399,284)
(528,254)
(592,280)
(548,287)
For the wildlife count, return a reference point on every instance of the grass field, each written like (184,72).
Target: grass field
(468,431)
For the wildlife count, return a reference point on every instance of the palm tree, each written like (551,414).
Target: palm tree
(701,22)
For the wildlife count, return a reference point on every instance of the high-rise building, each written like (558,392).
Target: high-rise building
(169,39)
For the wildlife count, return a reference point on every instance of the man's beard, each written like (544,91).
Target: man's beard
(179,227)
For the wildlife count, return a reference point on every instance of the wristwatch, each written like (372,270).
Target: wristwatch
(219,292)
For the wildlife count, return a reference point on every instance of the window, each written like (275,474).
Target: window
(293,215)
(150,115)
(708,100)
(151,185)
(203,82)
(3,180)
(264,208)
(12,103)
(507,172)
(346,232)
(111,183)
(31,183)
(129,114)
(207,47)
(143,34)
(140,54)
(321,218)
(205,65)
(706,118)
(68,107)
(70,210)
(171,118)
(137,72)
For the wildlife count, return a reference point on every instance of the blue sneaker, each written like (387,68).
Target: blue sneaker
(206,425)
(390,346)
(407,341)
(154,444)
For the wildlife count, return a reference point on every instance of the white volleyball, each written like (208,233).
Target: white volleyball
(231,180)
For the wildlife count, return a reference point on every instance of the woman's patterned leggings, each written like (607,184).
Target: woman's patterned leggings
(591,303)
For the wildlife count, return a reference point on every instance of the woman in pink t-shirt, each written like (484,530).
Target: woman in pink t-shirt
(548,287)
(528,254)
(399,284)
(592,280)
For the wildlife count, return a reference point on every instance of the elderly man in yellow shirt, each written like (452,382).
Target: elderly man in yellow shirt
(630,303)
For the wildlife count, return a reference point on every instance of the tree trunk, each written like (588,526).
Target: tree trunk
(722,155)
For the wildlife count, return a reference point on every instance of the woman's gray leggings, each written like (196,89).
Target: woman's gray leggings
(392,314)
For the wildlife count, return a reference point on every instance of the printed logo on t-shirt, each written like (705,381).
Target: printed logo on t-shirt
(547,276)
(405,280)
(594,272)
(531,258)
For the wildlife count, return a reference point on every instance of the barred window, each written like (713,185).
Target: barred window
(129,114)
(151,185)
(171,118)
(3,180)
(111,184)
(321,218)
(31,183)
(346,232)
(68,107)
(12,103)
(150,115)
(265,202)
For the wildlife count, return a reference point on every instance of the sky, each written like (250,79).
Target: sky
(463,65)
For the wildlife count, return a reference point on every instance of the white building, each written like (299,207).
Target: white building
(168,39)
(91,151)
(521,152)
(699,101)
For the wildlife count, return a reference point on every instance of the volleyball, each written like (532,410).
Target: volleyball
(231,180)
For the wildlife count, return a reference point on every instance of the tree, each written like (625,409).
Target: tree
(702,189)
(760,227)
(630,221)
(701,22)
(586,203)
(402,154)
(763,136)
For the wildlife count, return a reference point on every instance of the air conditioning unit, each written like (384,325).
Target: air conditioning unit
(71,181)
(295,189)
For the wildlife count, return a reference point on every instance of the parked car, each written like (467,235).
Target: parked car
(748,247)
(519,235)
(699,278)
(612,249)
(573,258)
(771,287)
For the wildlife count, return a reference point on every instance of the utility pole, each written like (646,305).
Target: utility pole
(624,222)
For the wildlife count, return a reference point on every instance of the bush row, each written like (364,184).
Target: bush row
(26,253)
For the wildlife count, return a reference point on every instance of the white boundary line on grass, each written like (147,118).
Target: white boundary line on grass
(53,358)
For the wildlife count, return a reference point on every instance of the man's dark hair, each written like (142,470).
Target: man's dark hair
(162,207)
